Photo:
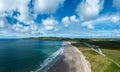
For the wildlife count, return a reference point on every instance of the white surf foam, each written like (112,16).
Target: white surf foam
(49,59)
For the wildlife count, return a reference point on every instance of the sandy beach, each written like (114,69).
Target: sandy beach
(72,61)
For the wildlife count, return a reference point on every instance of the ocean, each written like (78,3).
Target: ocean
(17,55)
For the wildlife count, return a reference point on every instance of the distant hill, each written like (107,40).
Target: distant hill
(52,38)
(73,39)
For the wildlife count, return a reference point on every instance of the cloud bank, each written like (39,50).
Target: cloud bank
(89,9)
(49,24)
(69,20)
(12,5)
(47,6)
(36,17)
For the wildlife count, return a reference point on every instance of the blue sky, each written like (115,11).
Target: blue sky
(60,18)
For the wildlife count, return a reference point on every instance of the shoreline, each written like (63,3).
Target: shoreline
(72,61)
(50,61)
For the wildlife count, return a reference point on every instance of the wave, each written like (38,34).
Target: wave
(49,60)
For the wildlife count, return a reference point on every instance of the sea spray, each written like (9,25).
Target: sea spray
(49,60)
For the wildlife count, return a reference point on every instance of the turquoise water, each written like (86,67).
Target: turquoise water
(24,55)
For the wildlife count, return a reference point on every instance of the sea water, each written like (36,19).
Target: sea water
(17,55)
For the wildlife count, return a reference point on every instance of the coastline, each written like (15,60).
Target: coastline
(50,61)
(71,61)
(66,59)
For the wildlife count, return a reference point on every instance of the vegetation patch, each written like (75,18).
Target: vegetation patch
(98,63)
(110,48)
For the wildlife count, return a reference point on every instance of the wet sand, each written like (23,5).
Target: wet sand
(60,66)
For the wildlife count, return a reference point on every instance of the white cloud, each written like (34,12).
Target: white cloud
(116,3)
(22,6)
(90,26)
(34,29)
(48,28)
(74,19)
(17,27)
(10,5)
(31,29)
(35,32)
(115,19)
(95,21)
(69,20)
(25,29)
(66,21)
(89,9)
(49,21)
(47,6)
(2,24)
(49,24)
(112,19)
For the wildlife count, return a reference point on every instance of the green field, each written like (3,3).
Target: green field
(100,63)
(110,48)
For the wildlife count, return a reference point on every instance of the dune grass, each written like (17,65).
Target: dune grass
(98,63)
(111,49)
(113,54)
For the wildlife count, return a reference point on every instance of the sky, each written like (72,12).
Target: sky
(60,18)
